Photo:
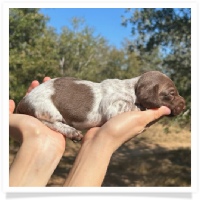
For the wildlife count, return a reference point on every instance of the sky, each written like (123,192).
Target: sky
(105,21)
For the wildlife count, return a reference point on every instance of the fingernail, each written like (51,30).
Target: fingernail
(46,79)
(35,82)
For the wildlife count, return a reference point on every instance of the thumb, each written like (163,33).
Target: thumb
(154,114)
(11,106)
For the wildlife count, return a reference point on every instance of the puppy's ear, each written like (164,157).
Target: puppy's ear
(147,95)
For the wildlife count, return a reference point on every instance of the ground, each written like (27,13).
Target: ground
(154,158)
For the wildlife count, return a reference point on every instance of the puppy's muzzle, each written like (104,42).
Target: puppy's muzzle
(179,106)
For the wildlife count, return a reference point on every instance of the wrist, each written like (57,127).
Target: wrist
(35,167)
(91,163)
(100,141)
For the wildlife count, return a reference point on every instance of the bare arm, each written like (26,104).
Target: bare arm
(39,154)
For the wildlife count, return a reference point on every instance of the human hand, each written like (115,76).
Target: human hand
(125,126)
(33,164)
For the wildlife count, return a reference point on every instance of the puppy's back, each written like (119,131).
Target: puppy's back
(60,99)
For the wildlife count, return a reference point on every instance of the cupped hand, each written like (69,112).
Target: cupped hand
(125,126)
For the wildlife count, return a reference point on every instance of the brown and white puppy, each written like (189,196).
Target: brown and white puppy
(68,105)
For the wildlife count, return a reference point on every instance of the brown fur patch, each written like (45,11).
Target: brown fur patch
(74,101)
(24,108)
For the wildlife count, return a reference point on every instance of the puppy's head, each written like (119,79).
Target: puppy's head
(155,89)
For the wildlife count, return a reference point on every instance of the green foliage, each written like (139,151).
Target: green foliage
(86,56)
(81,53)
(32,50)
(25,25)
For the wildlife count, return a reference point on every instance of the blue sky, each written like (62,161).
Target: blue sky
(105,21)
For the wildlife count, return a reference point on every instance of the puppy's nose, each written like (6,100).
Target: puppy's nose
(181,106)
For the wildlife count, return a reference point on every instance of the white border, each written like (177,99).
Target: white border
(103,4)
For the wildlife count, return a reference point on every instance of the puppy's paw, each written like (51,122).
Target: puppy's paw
(76,136)
(73,134)
(65,129)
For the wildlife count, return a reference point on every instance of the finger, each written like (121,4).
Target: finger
(154,114)
(46,79)
(11,106)
(34,84)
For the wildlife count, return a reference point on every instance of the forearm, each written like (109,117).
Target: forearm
(38,156)
(35,167)
(91,164)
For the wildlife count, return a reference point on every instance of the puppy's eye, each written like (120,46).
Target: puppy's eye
(164,94)
(167,96)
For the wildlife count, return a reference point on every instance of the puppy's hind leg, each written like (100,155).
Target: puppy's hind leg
(51,117)
(65,129)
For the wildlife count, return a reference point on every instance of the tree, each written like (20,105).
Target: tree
(25,25)
(82,53)
(32,50)
(169,31)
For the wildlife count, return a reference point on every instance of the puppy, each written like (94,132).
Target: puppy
(68,105)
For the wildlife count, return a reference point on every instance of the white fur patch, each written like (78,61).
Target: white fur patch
(40,100)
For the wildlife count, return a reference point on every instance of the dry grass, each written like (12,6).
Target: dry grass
(175,138)
(154,158)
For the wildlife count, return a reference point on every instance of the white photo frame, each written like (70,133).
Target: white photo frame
(96,4)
